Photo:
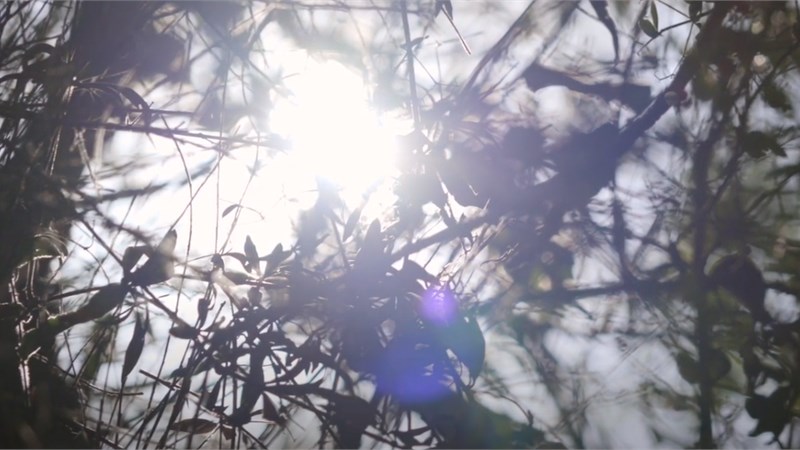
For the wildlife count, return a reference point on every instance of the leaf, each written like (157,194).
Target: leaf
(351,415)
(445,6)
(270,412)
(416,272)
(194,425)
(132,256)
(371,248)
(229,209)
(217,262)
(228,286)
(182,331)
(718,365)
(254,296)
(276,257)
(227,432)
(251,253)
(648,28)
(103,301)
(203,305)
(252,388)
(654,13)
(372,238)
(740,276)
(688,367)
(160,266)
(776,97)
(466,341)
(134,351)
(211,400)
(351,223)
(772,412)
(758,143)
(167,245)
(695,9)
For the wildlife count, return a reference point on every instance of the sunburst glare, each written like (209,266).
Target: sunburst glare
(334,134)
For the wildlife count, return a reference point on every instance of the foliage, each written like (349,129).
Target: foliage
(650,223)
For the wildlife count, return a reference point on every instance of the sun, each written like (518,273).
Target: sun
(333,132)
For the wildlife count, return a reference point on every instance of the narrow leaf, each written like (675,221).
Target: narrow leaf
(654,13)
(182,331)
(194,425)
(251,389)
(203,305)
(251,253)
(695,9)
(229,209)
(134,351)
(103,301)
(351,223)
(648,28)
(270,412)
(211,400)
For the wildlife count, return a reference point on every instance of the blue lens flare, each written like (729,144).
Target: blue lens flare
(409,374)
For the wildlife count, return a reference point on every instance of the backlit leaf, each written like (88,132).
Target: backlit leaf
(230,209)
(194,425)
(776,97)
(648,28)
(103,301)
(270,412)
(182,331)
(160,266)
(654,13)
(351,223)
(132,256)
(251,253)
(134,351)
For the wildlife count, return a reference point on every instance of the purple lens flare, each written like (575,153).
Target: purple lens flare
(439,305)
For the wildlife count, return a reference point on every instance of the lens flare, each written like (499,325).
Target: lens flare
(439,305)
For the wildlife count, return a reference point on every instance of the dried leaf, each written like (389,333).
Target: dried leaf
(227,432)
